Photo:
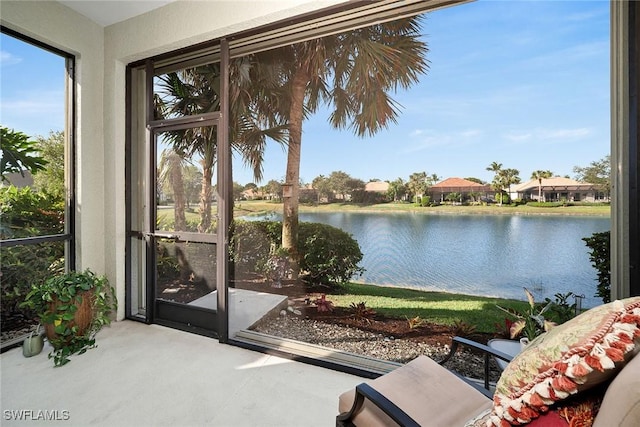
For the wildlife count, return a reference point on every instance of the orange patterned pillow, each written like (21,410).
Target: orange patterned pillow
(583,352)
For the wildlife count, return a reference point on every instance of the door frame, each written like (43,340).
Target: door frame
(181,316)
(139,97)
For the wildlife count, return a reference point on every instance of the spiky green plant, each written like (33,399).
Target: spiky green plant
(531,322)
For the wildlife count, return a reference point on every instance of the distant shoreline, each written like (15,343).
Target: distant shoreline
(261,207)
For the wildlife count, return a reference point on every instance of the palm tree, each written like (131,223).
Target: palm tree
(170,172)
(353,73)
(417,184)
(509,176)
(197,91)
(540,175)
(496,168)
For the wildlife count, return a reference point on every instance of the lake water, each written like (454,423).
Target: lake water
(490,255)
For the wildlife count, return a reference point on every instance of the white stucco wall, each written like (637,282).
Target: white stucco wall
(60,27)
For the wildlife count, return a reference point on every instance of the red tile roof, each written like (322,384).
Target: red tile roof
(456,182)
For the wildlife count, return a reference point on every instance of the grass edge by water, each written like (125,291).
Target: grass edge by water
(452,309)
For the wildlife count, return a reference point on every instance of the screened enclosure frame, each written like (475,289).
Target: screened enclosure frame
(356,14)
(69,167)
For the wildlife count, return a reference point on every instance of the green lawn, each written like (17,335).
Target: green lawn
(434,307)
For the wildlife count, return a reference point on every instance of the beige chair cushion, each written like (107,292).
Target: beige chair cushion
(426,391)
(621,404)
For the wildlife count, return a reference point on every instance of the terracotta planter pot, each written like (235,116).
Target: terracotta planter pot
(82,318)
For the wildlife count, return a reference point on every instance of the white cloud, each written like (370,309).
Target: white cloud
(540,135)
(7,58)
(427,139)
(518,136)
(565,133)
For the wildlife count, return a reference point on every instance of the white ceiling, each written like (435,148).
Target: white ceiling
(107,12)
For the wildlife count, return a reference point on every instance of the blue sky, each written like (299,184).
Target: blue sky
(525,84)
(32,85)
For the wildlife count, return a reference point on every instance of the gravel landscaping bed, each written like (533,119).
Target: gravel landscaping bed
(358,341)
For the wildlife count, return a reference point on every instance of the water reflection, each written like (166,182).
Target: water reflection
(491,255)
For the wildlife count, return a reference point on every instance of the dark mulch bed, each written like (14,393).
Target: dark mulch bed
(302,294)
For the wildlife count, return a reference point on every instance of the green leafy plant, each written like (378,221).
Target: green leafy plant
(463,329)
(561,311)
(361,312)
(18,153)
(73,307)
(529,323)
(600,258)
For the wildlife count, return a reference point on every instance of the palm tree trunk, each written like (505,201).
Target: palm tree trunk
(290,205)
(205,199)
(180,222)
(206,193)
(539,190)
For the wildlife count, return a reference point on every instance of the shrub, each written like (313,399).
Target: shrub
(505,198)
(599,243)
(549,204)
(561,311)
(23,266)
(27,213)
(251,244)
(327,254)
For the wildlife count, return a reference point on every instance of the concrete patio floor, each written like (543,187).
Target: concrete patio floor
(149,375)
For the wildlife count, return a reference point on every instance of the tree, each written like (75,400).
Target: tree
(417,184)
(540,175)
(339,182)
(476,180)
(322,186)
(496,168)
(274,189)
(170,173)
(237,191)
(353,73)
(354,185)
(51,179)
(197,91)
(453,197)
(502,179)
(18,154)
(397,189)
(597,173)
(509,177)
(432,179)
(192,178)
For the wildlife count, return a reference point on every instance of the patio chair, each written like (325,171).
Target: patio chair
(583,368)
(419,393)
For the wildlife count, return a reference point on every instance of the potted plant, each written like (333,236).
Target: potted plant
(531,322)
(73,307)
